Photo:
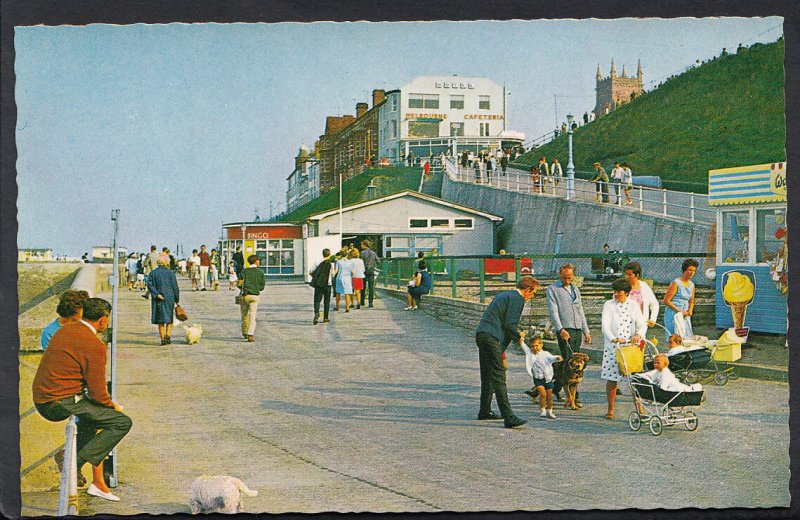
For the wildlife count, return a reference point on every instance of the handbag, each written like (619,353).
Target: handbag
(238,299)
(180,313)
(630,359)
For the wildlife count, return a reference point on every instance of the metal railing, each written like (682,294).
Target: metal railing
(674,204)
(68,490)
(476,277)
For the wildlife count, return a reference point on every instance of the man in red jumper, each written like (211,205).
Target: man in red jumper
(205,264)
(71,380)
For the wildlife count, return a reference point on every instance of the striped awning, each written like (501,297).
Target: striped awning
(757,184)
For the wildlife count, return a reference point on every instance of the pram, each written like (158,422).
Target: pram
(693,365)
(657,407)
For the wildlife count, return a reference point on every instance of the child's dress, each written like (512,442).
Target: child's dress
(666,380)
(232,274)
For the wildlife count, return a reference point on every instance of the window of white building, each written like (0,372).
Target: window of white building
(456,129)
(484,129)
(423,128)
(280,256)
(457,101)
(423,101)
(394,103)
(483,102)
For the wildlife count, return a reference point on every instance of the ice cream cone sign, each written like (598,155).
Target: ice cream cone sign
(738,290)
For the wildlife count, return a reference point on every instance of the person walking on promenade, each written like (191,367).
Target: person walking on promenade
(344,279)
(616,175)
(535,177)
(359,272)
(74,361)
(499,327)
(627,182)
(133,271)
(565,309)
(426,168)
(544,173)
(600,180)
(370,264)
(232,276)
(205,264)
(621,321)
(150,263)
(252,285)
(504,163)
(140,270)
(556,172)
(321,282)
(163,285)
(238,262)
(194,270)
(214,269)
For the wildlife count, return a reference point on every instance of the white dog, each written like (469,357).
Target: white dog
(193,333)
(219,494)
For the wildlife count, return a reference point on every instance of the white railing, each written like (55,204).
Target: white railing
(674,204)
(68,490)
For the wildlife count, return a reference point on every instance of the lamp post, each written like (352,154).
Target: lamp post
(244,253)
(114,329)
(570,164)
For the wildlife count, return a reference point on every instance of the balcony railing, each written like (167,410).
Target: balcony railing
(692,207)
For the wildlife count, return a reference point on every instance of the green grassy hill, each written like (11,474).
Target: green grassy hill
(728,112)
(388,181)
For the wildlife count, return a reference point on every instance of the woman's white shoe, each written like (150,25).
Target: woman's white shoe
(95,491)
(409,309)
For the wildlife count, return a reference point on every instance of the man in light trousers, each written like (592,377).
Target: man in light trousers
(252,285)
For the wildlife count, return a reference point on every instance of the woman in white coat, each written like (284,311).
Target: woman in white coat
(642,294)
(621,320)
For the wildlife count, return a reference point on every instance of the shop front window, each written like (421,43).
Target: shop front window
(280,257)
(735,236)
(456,129)
(770,233)
(423,129)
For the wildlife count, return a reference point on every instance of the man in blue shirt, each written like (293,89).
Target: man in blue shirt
(499,326)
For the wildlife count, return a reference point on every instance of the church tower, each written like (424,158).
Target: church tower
(615,90)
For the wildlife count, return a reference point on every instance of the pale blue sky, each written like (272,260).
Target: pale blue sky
(184,126)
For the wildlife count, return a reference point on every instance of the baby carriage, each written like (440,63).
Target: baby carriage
(653,405)
(690,366)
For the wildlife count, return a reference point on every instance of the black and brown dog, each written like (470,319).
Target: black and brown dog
(568,375)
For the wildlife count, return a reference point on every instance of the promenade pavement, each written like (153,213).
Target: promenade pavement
(376,411)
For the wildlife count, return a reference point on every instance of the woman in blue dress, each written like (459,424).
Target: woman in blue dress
(679,299)
(344,280)
(163,287)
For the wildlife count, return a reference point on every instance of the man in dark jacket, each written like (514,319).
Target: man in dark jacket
(321,281)
(499,326)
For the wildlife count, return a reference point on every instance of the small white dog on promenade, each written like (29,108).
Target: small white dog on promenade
(218,494)
(193,333)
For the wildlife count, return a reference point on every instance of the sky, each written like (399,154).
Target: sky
(184,126)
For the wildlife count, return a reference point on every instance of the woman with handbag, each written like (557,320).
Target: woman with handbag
(621,320)
(163,287)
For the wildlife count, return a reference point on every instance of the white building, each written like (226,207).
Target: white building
(435,114)
(303,182)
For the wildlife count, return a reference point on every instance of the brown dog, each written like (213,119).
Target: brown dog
(568,374)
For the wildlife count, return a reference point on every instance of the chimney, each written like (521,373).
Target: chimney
(378,95)
(361,109)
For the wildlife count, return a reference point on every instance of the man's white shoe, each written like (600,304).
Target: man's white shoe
(95,491)
(544,413)
(550,414)
(409,309)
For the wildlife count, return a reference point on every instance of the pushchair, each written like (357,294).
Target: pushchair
(693,365)
(653,405)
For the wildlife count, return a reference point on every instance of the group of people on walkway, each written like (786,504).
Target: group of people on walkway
(350,273)
(204,269)
(625,320)
(543,174)
(622,182)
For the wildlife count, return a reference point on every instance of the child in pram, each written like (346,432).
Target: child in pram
(662,376)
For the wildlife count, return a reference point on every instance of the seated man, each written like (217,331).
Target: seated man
(662,376)
(74,363)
